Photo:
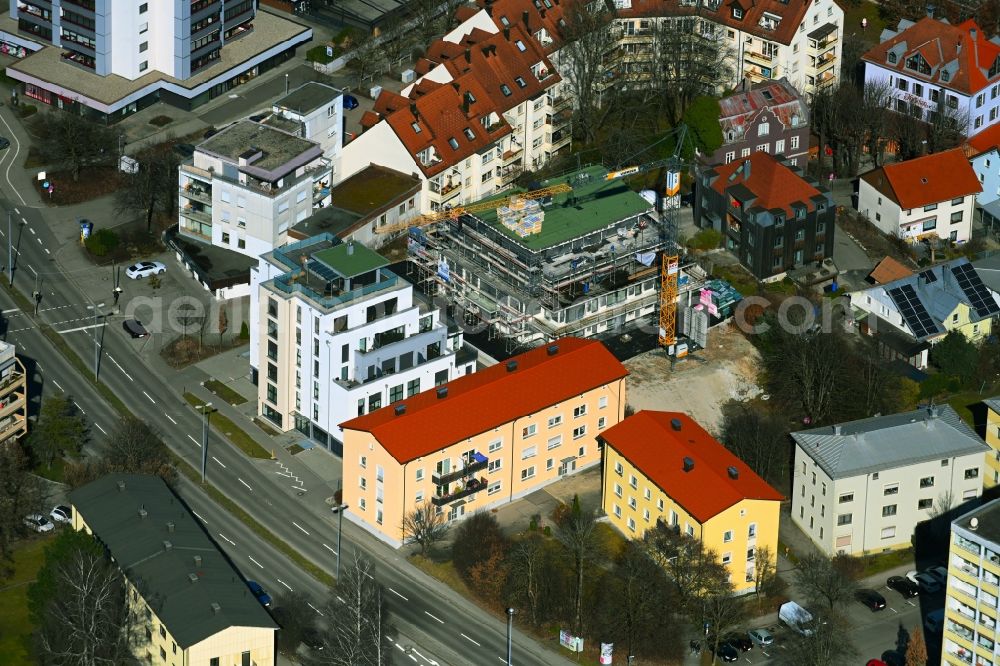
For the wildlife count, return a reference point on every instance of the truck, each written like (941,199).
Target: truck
(797,618)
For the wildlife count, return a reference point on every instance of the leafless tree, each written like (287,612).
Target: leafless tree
(830,644)
(823,582)
(947,125)
(804,369)
(758,437)
(73,142)
(424,526)
(153,188)
(588,35)
(690,566)
(367,60)
(135,447)
(875,99)
(944,503)
(20,495)
(396,41)
(527,566)
(577,532)
(765,570)
(722,609)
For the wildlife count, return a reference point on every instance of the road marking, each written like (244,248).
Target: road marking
(150,398)
(122,369)
(429,661)
(398,594)
(79,328)
(368,574)
(223,466)
(79,407)
(17,151)
(31,269)
(17,211)
(57,385)
(341,600)
(227,538)
(195,441)
(413,659)
(284,583)
(200,518)
(893,609)
(255,562)
(316,609)
(25,220)
(300,527)
(470,640)
(171,419)
(9,311)
(243,482)
(47,251)
(29,228)
(330,549)
(502,660)
(98,426)
(301,490)
(433,617)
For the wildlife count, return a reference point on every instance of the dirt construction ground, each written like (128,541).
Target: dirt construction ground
(699,384)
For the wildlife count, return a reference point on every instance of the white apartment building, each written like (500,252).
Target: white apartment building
(313,111)
(932,66)
(862,487)
(334,335)
(247,185)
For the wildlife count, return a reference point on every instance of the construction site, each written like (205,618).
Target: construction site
(579,254)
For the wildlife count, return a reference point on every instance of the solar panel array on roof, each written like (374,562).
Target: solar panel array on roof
(321,270)
(980,297)
(913,311)
(929,276)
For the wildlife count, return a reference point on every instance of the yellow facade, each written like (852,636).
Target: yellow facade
(960,320)
(969,631)
(634,503)
(992,476)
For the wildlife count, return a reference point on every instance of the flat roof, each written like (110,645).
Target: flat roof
(308,97)
(48,66)
(988,528)
(279,147)
(598,203)
(350,259)
(372,189)
(330,219)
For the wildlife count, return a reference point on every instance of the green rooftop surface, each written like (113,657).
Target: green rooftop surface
(598,204)
(350,259)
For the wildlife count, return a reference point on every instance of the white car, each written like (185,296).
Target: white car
(61,514)
(38,523)
(143,269)
(761,637)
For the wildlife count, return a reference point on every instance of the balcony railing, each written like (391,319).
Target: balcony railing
(759,57)
(470,488)
(197,213)
(478,463)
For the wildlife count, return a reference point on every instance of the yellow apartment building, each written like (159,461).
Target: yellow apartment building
(194,608)
(992,476)
(664,466)
(484,439)
(969,629)
(13,395)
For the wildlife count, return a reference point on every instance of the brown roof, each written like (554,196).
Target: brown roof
(547,14)
(926,180)
(780,97)
(963,50)
(773,184)
(888,270)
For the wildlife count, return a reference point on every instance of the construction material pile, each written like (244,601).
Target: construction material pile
(522,216)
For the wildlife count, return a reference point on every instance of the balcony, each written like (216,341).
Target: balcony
(194,192)
(478,463)
(471,488)
(512,154)
(560,139)
(754,56)
(510,173)
(561,102)
(200,214)
(79,59)
(825,62)
(448,192)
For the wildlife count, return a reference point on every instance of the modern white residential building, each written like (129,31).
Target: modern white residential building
(862,487)
(111,58)
(983,151)
(334,335)
(932,66)
(970,632)
(246,186)
(933,196)
(313,111)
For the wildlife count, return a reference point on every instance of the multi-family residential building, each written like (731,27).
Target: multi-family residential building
(911,313)
(484,110)
(770,117)
(191,604)
(334,335)
(313,111)
(969,631)
(992,476)
(664,467)
(13,395)
(246,186)
(482,440)
(862,487)
(110,58)
(983,151)
(772,217)
(933,67)
(928,197)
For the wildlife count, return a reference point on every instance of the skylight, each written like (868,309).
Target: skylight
(520,45)
(520,82)
(416,127)
(505,89)
(469,135)
(453,142)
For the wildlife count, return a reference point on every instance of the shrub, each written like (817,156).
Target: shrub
(161,121)
(318,54)
(245,335)
(102,242)
(706,239)
(477,538)
(26,110)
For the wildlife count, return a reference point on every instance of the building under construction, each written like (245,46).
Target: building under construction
(582,262)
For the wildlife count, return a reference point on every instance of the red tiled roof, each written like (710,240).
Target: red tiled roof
(773,184)
(490,398)
(780,97)
(941,44)
(986,140)
(927,180)
(546,14)
(889,270)
(649,441)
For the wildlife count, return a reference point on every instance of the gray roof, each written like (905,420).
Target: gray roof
(280,152)
(157,552)
(886,442)
(989,267)
(988,527)
(308,97)
(993,403)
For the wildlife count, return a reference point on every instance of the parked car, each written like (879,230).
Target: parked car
(741,643)
(61,514)
(893,658)
(904,586)
(143,269)
(184,149)
(350,102)
(256,590)
(870,598)
(209,133)
(135,328)
(38,523)
(4,142)
(940,574)
(257,117)
(727,653)
(875,662)
(761,637)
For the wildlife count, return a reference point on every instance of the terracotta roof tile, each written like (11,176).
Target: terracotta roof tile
(649,441)
(780,97)
(546,14)
(791,14)
(986,140)
(773,184)
(926,180)
(889,270)
(490,398)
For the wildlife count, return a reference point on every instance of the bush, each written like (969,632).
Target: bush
(937,384)
(318,54)
(706,239)
(161,121)
(477,539)
(245,335)
(102,242)
(26,110)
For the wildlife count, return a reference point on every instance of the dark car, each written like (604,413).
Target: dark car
(209,133)
(313,639)
(350,102)
(256,590)
(257,117)
(870,598)
(727,653)
(893,658)
(135,328)
(184,149)
(904,586)
(4,142)
(741,643)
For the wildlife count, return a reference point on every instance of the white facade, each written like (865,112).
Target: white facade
(948,220)
(320,121)
(987,168)
(909,91)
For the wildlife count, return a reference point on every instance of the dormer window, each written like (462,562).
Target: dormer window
(416,128)
(995,67)
(520,45)
(945,76)
(504,22)
(521,83)
(469,134)
(737,13)
(505,89)
(892,58)
(917,63)
(453,142)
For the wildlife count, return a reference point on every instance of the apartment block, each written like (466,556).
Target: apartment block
(662,467)
(970,634)
(991,478)
(862,487)
(13,395)
(314,111)
(110,58)
(192,605)
(770,117)
(334,335)
(482,440)
(246,186)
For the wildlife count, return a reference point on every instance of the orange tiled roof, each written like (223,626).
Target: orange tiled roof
(926,180)
(532,15)
(986,140)
(791,14)
(649,441)
(773,184)
(963,50)
(889,270)
(490,398)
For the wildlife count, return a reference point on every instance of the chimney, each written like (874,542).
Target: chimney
(552,350)
(193,577)
(170,526)
(197,560)
(468,55)
(121,486)
(506,34)
(400,410)
(413,109)
(465,103)
(930,10)
(216,608)
(511,365)
(838,429)
(675,424)
(167,545)
(350,247)
(746,169)
(734,473)
(442,392)
(527,24)
(688,464)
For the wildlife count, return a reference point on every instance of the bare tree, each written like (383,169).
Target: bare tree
(20,494)
(944,503)
(296,618)
(765,571)
(135,447)
(690,566)
(722,609)
(875,99)
(757,437)
(396,41)
(73,142)
(153,188)
(588,36)
(577,532)
(916,649)
(367,59)
(424,526)
(526,562)
(822,582)
(804,369)
(830,644)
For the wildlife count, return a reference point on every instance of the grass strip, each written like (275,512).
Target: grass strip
(238,437)
(224,392)
(15,640)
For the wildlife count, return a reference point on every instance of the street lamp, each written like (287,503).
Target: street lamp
(286,83)
(97,342)
(510,628)
(10,251)
(205,409)
(339,510)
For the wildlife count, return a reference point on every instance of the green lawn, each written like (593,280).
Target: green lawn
(54,472)
(885,561)
(963,402)
(853,16)
(15,638)
(224,392)
(239,438)
(738,277)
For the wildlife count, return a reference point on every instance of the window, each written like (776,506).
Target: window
(554,442)
(632,481)
(875,476)
(579,432)
(891,489)
(727,536)
(844,519)
(555,420)
(763,129)
(794,142)
(752,531)
(528,473)
(925,503)
(505,89)
(960,200)
(944,463)
(494,465)
(528,431)
(143,47)
(631,502)
(730,156)
(618,511)
(580,411)
(972,473)
(529,452)
(901,84)
(888,532)
(225,237)
(493,488)
(618,490)
(602,422)
(927,482)
(956,217)
(602,402)
(143,8)
(779,146)
(631,524)
(619,469)
(494,446)
(888,510)
(918,90)
(737,13)
(980,99)
(727,558)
